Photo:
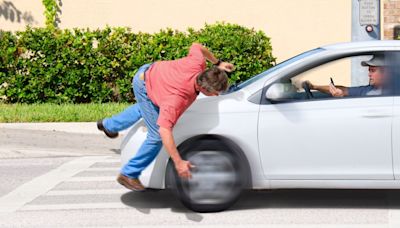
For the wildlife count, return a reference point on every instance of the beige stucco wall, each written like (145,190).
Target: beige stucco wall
(17,14)
(293,25)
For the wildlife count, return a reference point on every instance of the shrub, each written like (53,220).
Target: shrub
(81,66)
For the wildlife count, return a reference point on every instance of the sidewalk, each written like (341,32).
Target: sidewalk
(68,127)
(83,127)
(34,140)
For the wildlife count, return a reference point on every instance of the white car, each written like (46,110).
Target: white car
(269,133)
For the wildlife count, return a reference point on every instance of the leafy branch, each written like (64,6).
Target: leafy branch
(51,9)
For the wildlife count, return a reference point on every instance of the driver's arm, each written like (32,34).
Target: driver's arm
(336,91)
(326,89)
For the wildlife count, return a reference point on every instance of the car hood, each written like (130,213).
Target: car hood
(216,104)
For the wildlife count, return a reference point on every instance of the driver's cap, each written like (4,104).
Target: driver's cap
(378,60)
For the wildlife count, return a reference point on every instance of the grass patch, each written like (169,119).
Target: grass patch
(11,113)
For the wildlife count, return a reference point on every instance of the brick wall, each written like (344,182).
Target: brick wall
(391,17)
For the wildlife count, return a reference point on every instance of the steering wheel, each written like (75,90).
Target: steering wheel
(307,90)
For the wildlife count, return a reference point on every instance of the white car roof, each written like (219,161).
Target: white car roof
(363,44)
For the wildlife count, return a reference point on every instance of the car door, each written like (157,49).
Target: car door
(327,139)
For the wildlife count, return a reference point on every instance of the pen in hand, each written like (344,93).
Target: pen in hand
(332,82)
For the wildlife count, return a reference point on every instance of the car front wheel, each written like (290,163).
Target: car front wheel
(218,177)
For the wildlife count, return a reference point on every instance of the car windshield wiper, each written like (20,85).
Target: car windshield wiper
(233,87)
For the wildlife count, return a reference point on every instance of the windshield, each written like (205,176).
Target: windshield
(272,69)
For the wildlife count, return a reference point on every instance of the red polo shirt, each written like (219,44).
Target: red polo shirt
(171,85)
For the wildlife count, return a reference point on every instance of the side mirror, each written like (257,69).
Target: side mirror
(280,92)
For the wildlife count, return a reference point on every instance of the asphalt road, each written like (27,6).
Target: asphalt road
(53,179)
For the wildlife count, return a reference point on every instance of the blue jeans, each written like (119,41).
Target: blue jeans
(144,108)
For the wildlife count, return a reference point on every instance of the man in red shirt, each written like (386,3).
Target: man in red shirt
(163,91)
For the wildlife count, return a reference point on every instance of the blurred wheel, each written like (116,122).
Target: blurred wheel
(217,179)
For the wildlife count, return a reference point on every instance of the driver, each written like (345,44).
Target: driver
(376,76)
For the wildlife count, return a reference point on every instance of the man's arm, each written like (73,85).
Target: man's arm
(210,57)
(181,166)
(336,91)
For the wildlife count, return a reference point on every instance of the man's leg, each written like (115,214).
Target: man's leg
(123,120)
(153,143)
(146,154)
(111,126)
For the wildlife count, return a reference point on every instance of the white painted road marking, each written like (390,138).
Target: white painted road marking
(87,179)
(103,169)
(394,217)
(42,184)
(87,192)
(73,206)
(112,160)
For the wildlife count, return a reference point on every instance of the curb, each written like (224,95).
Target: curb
(71,127)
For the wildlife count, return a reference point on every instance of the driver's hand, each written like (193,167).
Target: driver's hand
(310,85)
(336,92)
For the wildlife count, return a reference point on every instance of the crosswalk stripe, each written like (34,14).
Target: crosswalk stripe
(103,169)
(87,179)
(75,206)
(87,192)
(42,184)
(112,160)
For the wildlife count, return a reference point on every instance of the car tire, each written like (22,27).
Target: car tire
(219,176)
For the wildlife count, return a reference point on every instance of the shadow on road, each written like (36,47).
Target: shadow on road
(318,198)
(255,199)
(158,199)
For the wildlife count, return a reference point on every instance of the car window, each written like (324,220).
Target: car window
(272,69)
(339,71)
(394,68)
(355,76)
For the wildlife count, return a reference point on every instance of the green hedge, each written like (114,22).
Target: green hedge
(80,66)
